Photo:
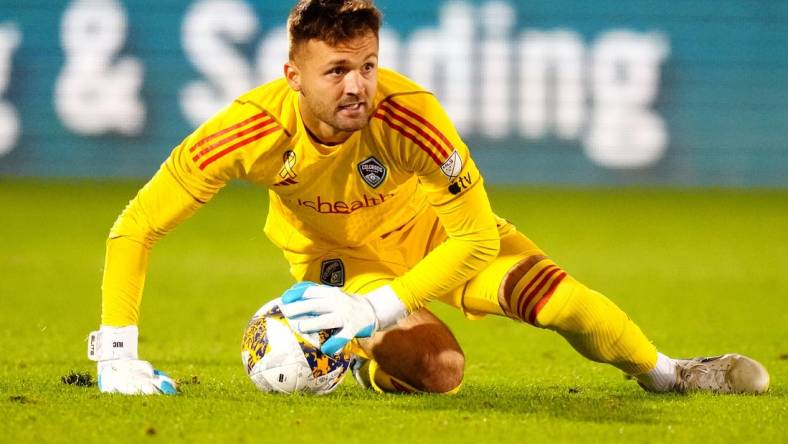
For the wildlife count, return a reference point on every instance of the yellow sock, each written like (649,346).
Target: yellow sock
(542,294)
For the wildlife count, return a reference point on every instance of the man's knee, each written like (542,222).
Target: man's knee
(441,372)
(422,352)
(539,292)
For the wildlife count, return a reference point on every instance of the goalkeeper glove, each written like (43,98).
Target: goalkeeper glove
(119,370)
(312,307)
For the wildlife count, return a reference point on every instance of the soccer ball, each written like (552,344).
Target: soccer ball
(278,358)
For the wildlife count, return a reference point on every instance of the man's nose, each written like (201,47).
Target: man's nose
(353,83)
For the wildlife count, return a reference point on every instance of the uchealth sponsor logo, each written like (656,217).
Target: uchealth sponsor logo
(344,206)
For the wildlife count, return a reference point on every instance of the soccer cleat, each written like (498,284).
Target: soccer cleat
(731,373)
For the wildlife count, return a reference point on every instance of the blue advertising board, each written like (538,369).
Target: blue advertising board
(547,92)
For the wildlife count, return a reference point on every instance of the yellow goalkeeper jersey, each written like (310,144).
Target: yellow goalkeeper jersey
(407,159)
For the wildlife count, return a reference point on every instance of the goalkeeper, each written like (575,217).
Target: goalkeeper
(374,196)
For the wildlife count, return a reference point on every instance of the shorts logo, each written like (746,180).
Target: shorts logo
(372,171)
(332,272)
(453,165)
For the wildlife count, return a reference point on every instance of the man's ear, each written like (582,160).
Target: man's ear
(293,76)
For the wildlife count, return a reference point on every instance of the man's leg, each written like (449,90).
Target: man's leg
(524,284)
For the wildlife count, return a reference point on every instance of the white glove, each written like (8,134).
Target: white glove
(312,307)
(119,370)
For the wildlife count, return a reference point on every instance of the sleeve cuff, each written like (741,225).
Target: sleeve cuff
(388,307)
(110,343)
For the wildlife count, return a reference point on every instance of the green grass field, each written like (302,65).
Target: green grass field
(702,272)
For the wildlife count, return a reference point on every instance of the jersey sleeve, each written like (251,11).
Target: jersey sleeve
(433,150)
(218,151)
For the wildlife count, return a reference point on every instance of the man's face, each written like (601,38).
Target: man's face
(337,85)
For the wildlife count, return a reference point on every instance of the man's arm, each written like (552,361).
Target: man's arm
(472,243)
(431,147)
(195,171)
(218,151)
(158,208)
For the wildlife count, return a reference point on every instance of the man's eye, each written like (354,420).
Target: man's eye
(369,67)
(337,71)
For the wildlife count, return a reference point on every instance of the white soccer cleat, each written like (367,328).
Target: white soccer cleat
(731,373)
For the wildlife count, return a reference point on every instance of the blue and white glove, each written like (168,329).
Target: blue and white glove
(312,307)
(119,370)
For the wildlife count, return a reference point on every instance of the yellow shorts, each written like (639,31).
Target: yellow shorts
(360,270)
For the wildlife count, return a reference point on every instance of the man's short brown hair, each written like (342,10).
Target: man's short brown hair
(331,21)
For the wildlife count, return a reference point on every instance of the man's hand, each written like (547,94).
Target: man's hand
(312,307)
(119,370)
(133,377)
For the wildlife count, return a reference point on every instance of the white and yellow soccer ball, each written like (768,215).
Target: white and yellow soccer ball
(278,358)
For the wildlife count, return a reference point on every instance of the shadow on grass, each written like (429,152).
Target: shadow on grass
(556,402)
(601,404)
(478,402)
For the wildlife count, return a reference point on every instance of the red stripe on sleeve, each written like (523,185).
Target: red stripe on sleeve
(423,121)
(410,136)
(227,130)
(240,144)
(232,137)
(417,129)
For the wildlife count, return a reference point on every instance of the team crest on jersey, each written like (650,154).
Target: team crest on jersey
(372,171)
(453,165)
(332,272)
(286,173)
